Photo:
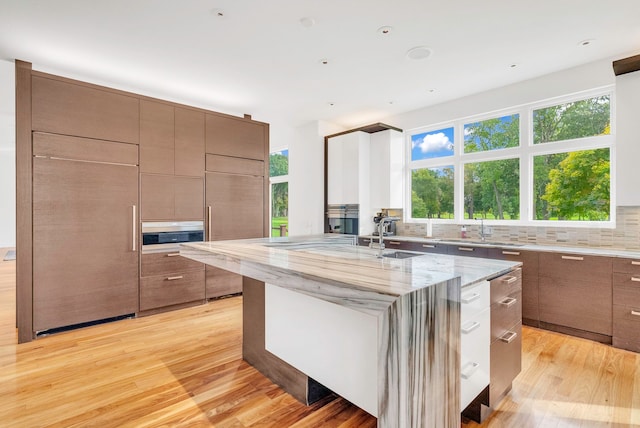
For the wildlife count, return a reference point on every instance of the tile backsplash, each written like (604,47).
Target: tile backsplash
(626,234)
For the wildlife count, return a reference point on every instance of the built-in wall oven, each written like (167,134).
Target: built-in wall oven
(168,235)
(343,218)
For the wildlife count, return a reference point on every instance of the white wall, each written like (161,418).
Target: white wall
(7,155)
(628,139)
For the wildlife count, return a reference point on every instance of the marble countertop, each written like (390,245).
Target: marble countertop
(593,251)
(328,258)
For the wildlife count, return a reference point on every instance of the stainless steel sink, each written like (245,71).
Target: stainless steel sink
(401,255)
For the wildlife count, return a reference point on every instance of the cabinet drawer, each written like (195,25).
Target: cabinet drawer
(428,247)
(505,285)
(166,290)
(529,259)
(506,363)
(364,241)
(626,289)
(473,300)
(505,314)
(474,356)
(578,304)
(576,267)
(626,322)
(463,250)
(626,265)
(166,263)
(397,245)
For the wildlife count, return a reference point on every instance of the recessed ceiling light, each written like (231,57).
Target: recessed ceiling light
(307,22)
(419,52)
(431,90)
(385,31)
(390,102)
(218,13)
(514,65)
(331,104)
(324,61)
(586,42)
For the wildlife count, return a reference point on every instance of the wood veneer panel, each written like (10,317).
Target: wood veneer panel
(626,65)
(624,265)
(157,197)
(189,142)
(65,147)
(24,220)
(576,267)
(70,109)
(189,198)
(167,290)
(231,165)
(626,289)
(221,282)
(166,263)
(156,137)
(234,136)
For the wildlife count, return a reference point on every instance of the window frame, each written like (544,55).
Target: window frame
(276,180)
(525,152)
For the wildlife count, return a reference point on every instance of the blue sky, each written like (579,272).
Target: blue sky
(433,144)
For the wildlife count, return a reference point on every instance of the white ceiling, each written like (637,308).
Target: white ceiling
(259,58)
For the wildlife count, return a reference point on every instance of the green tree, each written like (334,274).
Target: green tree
(580,186)
(418,208)
(278,165)
(280,199)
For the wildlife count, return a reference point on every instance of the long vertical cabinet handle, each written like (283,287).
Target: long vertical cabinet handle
(133,228)
(209,221)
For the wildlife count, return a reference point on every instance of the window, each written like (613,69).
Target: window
(279,181)
(540,162)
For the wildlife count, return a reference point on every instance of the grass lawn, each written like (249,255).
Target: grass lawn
(275,225)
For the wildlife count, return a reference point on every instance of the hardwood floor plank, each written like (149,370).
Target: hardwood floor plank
(184,369)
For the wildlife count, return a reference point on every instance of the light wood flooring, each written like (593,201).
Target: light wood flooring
(184,369)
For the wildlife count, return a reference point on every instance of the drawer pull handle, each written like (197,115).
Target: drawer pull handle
(469,327)
(469,370)
(635,263)
(636,313)
(508,337)
(394,242)
(465,249)
(509,301)
(367,240)
(635,279)
(428,246)
(511,253)
(173,254)
(578,258)
(470,297)
(173,278)
(509,279)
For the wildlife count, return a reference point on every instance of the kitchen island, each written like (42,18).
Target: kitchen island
(398,319)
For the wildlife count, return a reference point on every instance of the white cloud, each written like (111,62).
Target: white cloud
(432,143)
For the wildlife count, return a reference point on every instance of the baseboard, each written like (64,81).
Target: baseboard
(597,337)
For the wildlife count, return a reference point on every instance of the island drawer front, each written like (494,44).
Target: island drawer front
(506,363)
(167,290)
(166,263)
(474,356)
(626,289)
(626,323)
(473,300)
(576,267)
(505,285)
(505,314)
(623,265)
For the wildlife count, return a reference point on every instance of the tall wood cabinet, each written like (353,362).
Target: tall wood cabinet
(85,198)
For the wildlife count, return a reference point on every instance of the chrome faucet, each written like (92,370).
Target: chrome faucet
(481,228)
(381,227)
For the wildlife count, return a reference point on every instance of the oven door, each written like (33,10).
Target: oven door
(167,236)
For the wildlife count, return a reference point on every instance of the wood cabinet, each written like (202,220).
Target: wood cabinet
(468,251)
(626,304)
(171,139)
(69,108)
(167,279)
(506,334)
(85,265)
(575,291)
(236,137)
(530,263)
(221,282)
(168,197)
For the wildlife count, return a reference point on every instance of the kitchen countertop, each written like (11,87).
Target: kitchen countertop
(592,251)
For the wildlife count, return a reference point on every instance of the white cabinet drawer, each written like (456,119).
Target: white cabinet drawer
(474,356)
(473,300)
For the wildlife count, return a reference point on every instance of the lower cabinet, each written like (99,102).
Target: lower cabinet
(222,283)
(626,304)
(169,280)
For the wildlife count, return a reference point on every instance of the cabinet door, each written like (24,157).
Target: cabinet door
(189,198)
(222,283)
(237,137)
(157,197)
(85,264)
(189,142)
(156,137)
(235,203)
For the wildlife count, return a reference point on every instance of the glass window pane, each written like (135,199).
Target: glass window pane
(280,209)
(279,163)
(492,134)
(585,118)
(434,144)
(572,186)
(492,190)
(432,192)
